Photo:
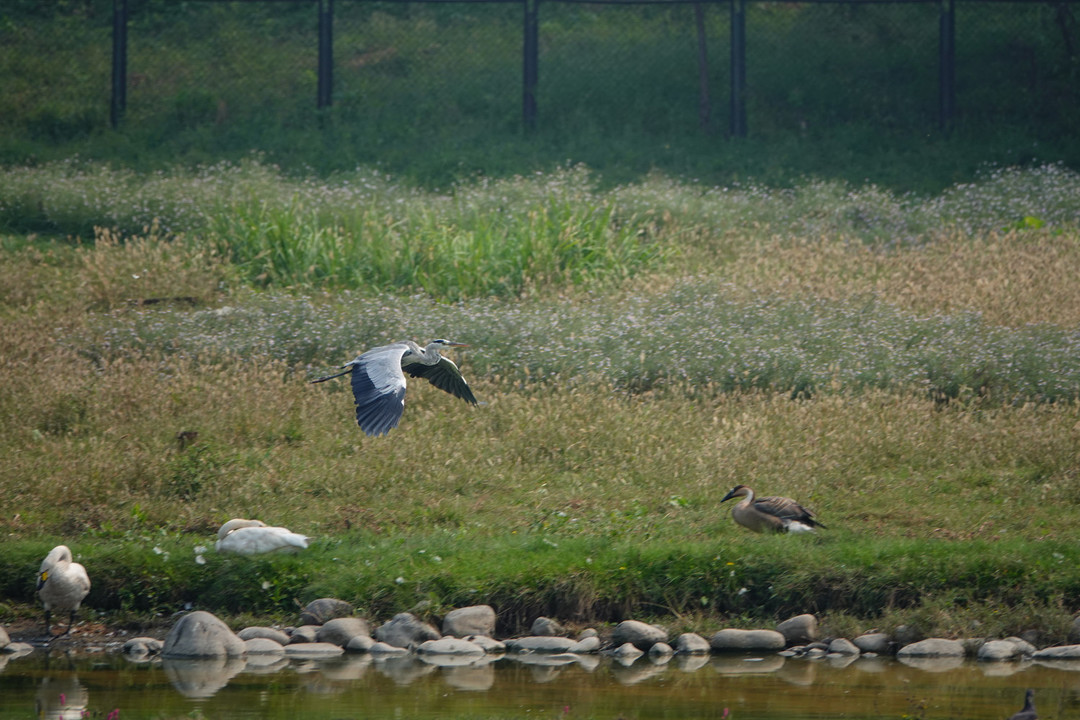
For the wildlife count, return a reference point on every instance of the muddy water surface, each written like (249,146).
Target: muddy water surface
(358,686)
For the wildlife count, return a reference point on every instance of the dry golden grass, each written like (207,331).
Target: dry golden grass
(1011,278)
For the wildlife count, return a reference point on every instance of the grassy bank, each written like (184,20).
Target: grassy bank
(906,367)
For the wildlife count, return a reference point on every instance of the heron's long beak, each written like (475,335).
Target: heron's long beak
(457,344)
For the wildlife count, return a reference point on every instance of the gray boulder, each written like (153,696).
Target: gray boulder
(932,647)
(539,644)
(5,639)
(1061,652)
(304,634)
(877,642)
(200,634)
(312,650)
(843,646)
(449,646)
(627,651)
(546,627)
(641,635)
(487,642)
(142,646)
(473,620)
(1012,648)
(734,639)
(340,631)
(691,644)
(405,630)
(381,648)
(250,633)
(799,630)
(319,611)
(585,645)
(264,646)
(360,643)
(661,649)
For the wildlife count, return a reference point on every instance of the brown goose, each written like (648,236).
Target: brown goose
(1028,711)
(770,514)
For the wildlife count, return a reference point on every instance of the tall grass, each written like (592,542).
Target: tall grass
(917,394)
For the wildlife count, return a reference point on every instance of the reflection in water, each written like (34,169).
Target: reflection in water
(198,679)
(475,678)
(61,698)
(766,687)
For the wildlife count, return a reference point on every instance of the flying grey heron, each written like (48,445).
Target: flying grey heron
(62,584)
(253,537)
(770,514)
(378,380)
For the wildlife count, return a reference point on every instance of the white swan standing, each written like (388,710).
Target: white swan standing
(253,537)
(61,585)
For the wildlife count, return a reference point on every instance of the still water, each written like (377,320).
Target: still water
(110,687)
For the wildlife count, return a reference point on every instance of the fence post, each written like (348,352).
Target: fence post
(530,63)
(703,68)
(119,63)
(946,64)
(738,68)
(326,53)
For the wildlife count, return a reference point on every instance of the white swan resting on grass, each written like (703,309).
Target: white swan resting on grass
(253,537)
(61,585)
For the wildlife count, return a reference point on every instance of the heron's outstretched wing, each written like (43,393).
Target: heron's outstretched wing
(378,387)
(445,376)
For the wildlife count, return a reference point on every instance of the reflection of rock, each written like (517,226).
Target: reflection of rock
(1070,665)
(201,678)
(870,664)
(475,677)
(544,660)
(1003,669)
(799,673)
(933,664)
(691,663)
(402,669)
(13,651)
(346,667)
(543,674)
(265,664)
(635,673)
(447,661)
(61,698)
(587,663)
(735,665)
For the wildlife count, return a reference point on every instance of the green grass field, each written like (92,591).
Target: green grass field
(906,366)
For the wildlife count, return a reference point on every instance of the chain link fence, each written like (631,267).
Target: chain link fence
(406,71)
